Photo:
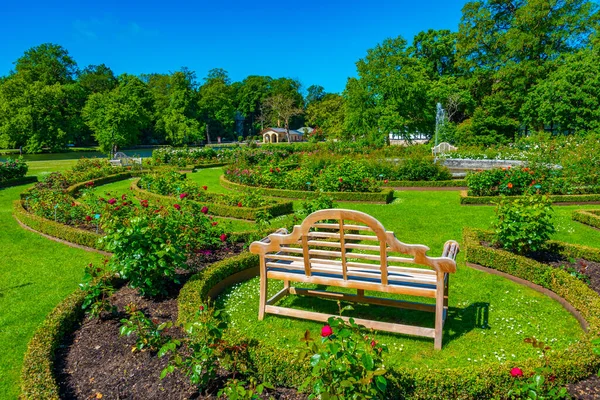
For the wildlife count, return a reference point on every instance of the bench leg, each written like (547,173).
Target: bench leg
(446,286)
(439,312)
(263,291)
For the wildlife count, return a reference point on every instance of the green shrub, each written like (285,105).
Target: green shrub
(588,217)
(12,169)
(524,225)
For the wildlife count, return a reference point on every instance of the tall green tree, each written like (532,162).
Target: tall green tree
(47,63)
(391,93)
(179,118)
(118,116)
(249,95)
(437,51)
(215,105)
(328,114)
(97,78)
(283,108)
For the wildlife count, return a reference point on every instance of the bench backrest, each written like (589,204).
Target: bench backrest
(351,243)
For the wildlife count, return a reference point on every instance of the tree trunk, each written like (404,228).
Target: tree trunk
(207,135)
(287,130)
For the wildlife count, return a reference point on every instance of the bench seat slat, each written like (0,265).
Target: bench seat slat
(346,227)
(352,284)
(333,235)
(323,266)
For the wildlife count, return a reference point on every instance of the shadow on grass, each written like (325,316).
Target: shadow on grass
(459,322)
(3,290)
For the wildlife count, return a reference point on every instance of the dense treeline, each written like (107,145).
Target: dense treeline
(513,67)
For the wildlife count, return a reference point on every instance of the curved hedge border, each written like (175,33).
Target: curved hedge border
(74,189)
(588,217)
(385,196)
(37,375)
(472,382)
(221,210)
(567,199)
(209,165)
(18,181)
(56,229)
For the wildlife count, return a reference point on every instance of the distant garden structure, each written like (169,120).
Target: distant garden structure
(278,135)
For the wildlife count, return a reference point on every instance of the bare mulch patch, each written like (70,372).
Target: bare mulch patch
(589,272)
(96,362)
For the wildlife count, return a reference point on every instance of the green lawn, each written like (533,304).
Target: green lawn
(36,273)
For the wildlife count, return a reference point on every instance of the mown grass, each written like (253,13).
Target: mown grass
(489,314)
(489,317)
(35,275)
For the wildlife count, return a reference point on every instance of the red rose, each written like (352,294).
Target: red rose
(73,204)
(239,204)
(271,170)
(201,308)
(278,170)
(341,180)
(214,223)
(204,187)
(123,197)
(144,203)
(183,196)
(373,343)
(326,331)
(117,208)
(112,201)
(516,372)
(223,237)
(385,181)
(510,185)
(177,206)
(204,210)
(88,218)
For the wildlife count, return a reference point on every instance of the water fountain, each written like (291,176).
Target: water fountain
(440,120)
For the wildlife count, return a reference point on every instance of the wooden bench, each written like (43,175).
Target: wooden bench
(351,249)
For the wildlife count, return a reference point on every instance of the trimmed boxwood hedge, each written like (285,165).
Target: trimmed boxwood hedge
(492,380)
(221,210)
(18,181)
(209,165)
(385,196)
(556,199)
(37,375)
(588,217)
(74,189)
(434,184)
(56,229)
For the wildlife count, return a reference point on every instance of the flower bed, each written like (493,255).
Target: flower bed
(522,180)
(187,157)
(484,380)
(465,199)
(588,217)
(385,196)
(173,187)
(12,169)
(56,229)
(37,375)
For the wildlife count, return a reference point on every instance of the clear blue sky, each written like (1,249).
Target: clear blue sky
(317,42)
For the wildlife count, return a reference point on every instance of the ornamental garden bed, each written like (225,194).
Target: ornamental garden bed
(415,371)
(172,187)
(570,271)
(565,200)
(384,197)
(588,217)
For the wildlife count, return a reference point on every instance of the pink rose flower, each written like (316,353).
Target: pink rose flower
(112,201)
(516,372)
(204,210)
(223,237)
(177,206)
(326,331)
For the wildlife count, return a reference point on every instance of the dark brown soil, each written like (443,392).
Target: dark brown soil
(589,272)
(96,362)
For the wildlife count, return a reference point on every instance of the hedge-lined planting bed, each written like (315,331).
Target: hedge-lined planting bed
(37,375)
(588,217)
(18,181)
(73,190)
(385,196)
(56,229)
(433,184)
(465,199)
(221,210)
(485,380)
